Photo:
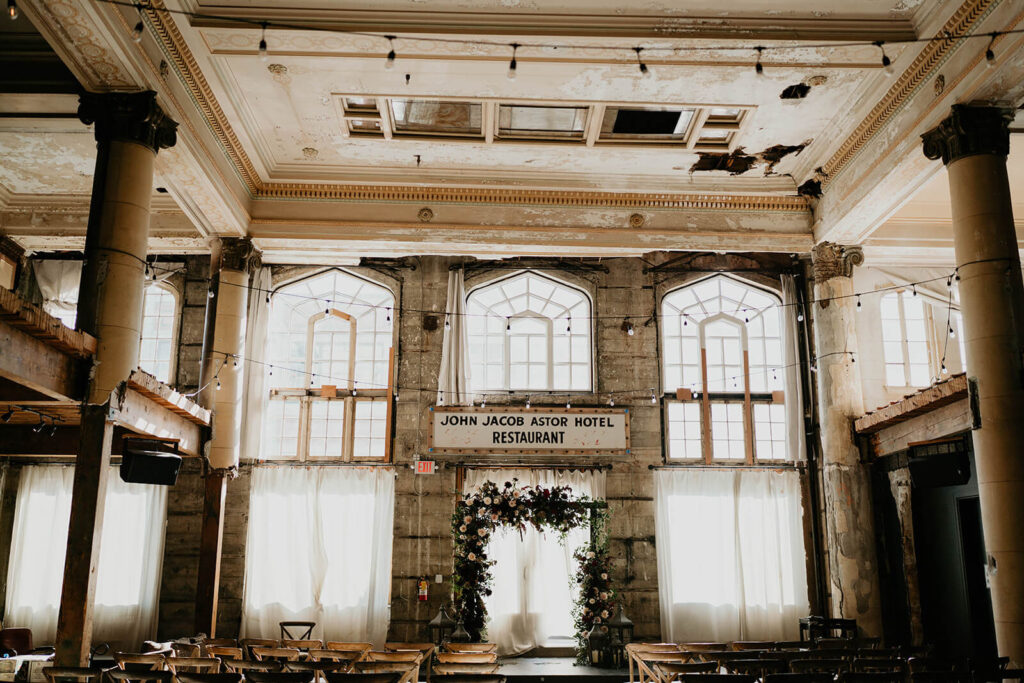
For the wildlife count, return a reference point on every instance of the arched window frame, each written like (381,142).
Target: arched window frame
(575,324)
(702,406)
(172,360)
(317,405)
(909,365)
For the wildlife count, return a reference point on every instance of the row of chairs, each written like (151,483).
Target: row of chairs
(117,675)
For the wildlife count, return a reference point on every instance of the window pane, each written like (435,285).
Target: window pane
(430,116)
(326,428)
(769,431)
(645,123)
(727,438)
(541,122)
(370,430)
(684,434)
(156,348)
(281,429)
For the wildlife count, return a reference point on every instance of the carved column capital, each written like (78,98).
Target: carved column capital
(128,117)
(968,131)
(831,260)
(239,253)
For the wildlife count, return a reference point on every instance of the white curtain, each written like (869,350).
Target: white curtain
(796,440)
(533,589)
(453,379)
(130,563)
(730,554)
(58,282)
(319,549)
(255,396)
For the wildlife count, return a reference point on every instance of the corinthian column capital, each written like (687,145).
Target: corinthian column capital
(128,117)
(831,260)
(968,131)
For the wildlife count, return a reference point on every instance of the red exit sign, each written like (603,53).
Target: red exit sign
(424,467)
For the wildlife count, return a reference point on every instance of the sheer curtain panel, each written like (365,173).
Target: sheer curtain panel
(730,554)
(796,440)
(254,396)
(453,380)
(58,282)
(319,549)
(130,562)
(533,588)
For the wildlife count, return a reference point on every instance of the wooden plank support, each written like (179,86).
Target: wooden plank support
(930,398)
(44,327)
(158,392)
(39,366)
(210,540)
(137,413)
(74,621)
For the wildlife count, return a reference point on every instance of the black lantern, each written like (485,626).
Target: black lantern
(441,627)
(621,628)
(598,646)
(460,634)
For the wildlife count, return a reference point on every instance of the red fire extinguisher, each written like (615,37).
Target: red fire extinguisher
(424,588)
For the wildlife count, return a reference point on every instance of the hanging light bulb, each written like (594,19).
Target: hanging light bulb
(483,402)
(209,294)
(627,327)
(263,43)
(440,397)
(354,390)
(611,401)
(12,9)
(218,385)
(271,372)
(654,397)
(508,326)
(268,297)
(39,427)
(139,28)
(512,64)
(758,67)
(527,402)
(949,283)
(387,319)
(568,324)
(644,71)
(990,56)
(568,404)
(952,332)
(858,303)
(886,62)
(6,417)
(389,61)
(800,317)
(447,323)
(944,370)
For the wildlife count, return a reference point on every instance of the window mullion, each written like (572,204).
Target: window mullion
(903,341)
(349,431)
(748,417)
(705,405)
(305,415)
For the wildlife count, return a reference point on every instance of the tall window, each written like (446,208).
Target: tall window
(529,332)
(159,329)
(723,349)
(905,340)
(329,348)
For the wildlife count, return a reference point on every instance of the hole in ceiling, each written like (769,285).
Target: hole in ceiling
(795,92)
(162,190)
(777,153)
(811,188)
(735,163)
(642,122)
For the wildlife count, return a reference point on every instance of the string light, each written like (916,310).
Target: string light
(527,402)
(354,390)
(512,64)
(209,293)
(508,326)
(800,317)
(389,61)
(627,327)
(952,332)
(387,320)
(990,56)
(859,307)
(644,71)
(758,66)
(886,62)
(611,402)
(568,324)
(39,427)
(568,404)
(139,28)
(12,9)
(913,289)
(440,396)
(447,323)
(654,397)
(263,42)
(944,369)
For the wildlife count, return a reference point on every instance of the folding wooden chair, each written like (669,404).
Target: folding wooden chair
(224,652)
(671,671)
(470,647)
(249,643)
(363,677)
(193,665)
(296,630)
(135,661)
(244,666)
(209,678)
(279,654)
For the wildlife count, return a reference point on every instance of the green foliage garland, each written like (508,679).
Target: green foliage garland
(478,514)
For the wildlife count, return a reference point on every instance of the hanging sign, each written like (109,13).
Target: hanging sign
(458,430)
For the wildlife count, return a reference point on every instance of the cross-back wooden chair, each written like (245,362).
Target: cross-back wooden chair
(279,677)
(865,665)
(412,657)
(303,644)
(224,652)
(467,657)
(671,671)
(135,661)
(248,644)
(636,652)
(186,649)
(244,666)
(318,668)
(756,667)
(703,647)
(470,647)
(209,677)
(137,676)
(72,674)
(223,642)
(348,656)
(470,678)
(363,677)
(193,665)
(716,678)
(872,677)
(343,645)
(279,654)
(409,670)
(815,666)
(752,644)
(798,678)
(460,668)
(296,630)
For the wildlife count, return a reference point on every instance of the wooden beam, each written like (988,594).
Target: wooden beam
(210,541)
(19,441)
(135,412)
(74,621)
(155,390)
(923,401)
(43,326)
(39,366)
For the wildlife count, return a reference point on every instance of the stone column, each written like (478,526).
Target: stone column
(130,128)
(849,524)
(973,143)
(223,371)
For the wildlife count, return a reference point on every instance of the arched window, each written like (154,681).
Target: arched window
(905,324)
(723,349)
(329,351)
(529,332)
(159,332)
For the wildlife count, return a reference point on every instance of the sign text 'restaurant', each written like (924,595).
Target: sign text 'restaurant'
(579,431)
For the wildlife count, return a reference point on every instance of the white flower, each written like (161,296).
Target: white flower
(471,501)
(590,555)
(604,596)
(487,500)
(497,500)
(586,610)
(511,503)
(597,620)
(592,601)
(481,532)
(467,519)
(462,528)
(471,557)
(494,516)
(515,493)
(462,537)
(604,613)
(604,576)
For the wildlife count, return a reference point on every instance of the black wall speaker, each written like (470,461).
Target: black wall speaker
(142,465)
(941,469)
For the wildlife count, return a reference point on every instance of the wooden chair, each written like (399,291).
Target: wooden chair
(75,674)
(409,670)
(342,645)
(412,657)
(716,678)
(347,656)
(318,668)
(940,677)
(209,678)
(193,665)
(646,661)
(836,643)
(296,630)
(873,677)
(671,671)
(279,677)
(722,656)
(752,645)
(460,669)
(153,661)
(818,666)
(789,645)
(186,650)
(866,665)
(303,645)
(756,667)
(280,654)
(130,676)
(248,644)
(221,642)
(467,657)
(470,647)
(702,647)
(936,664)
(798,678)
(244,666)
(363,677)
(224,652)
(634,650)
(470,678)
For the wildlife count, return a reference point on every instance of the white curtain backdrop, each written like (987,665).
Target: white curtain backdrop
(533,588)
(796,441)
(453,380)
(254,394)
(130,563)
(58,282)
(730,554)
(319,549)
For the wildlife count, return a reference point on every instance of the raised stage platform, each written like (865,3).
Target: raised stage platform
(556,670)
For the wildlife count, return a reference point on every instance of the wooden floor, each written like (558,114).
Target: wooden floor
(556,670)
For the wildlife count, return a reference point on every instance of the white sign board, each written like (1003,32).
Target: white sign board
(459,430)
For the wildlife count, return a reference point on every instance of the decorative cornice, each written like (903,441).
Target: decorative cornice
(931,57)
(131,117)
(237,253)
(968,131)
(831,260)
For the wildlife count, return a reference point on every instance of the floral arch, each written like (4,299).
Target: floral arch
(478,514)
